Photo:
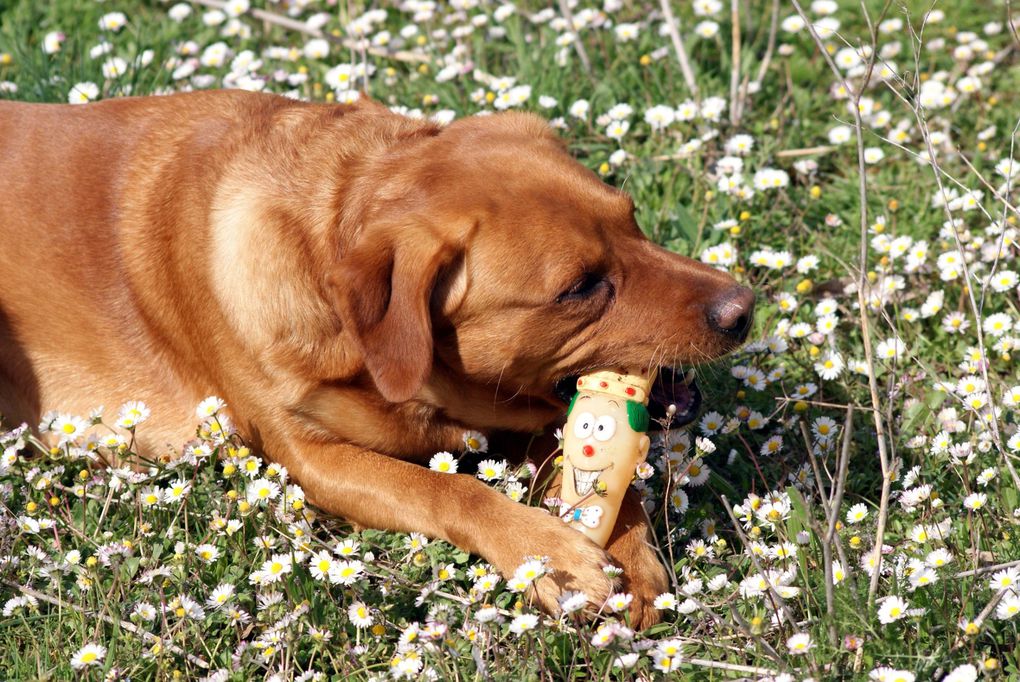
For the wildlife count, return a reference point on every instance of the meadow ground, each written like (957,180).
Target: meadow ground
(846,508)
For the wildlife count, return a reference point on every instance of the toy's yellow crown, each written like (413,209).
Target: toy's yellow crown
(627,386)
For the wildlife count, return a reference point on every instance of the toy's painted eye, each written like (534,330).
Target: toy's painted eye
(605,427)
(584,425)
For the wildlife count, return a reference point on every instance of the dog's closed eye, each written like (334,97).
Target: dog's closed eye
(588,285)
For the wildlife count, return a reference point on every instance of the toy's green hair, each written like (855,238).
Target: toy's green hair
(637,414)
(570,407)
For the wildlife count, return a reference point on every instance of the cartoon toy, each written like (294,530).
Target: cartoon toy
(604,441)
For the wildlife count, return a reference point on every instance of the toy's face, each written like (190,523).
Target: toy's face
(599,442)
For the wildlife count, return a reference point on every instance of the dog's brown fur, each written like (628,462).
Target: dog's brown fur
(358,286)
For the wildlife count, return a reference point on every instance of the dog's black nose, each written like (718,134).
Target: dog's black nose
(732,312)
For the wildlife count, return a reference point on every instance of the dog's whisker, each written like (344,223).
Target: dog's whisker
(499,380)
(519,391)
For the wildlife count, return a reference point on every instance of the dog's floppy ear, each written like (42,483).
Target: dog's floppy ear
(383,286)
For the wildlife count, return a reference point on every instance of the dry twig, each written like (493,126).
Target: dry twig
(678,47)
(831,501)
(734,61)
(770,49)
(883,453)
(987,569)
(806,151)
(578,44)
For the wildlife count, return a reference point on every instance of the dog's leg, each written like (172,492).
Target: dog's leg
(630,548)
(644,576)
(377,491)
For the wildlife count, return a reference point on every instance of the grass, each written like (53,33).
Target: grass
(85,558)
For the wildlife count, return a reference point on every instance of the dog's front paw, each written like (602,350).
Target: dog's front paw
(575,563)
(645,578)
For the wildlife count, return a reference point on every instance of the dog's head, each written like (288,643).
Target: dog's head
(494,268)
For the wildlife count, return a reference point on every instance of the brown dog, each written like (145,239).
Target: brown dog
(358,286)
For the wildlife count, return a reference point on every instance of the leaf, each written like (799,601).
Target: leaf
(157,551)
(129,568)
(919,412)
(1009,497)
(798,520)
(720,484)
(687,224)
(660,629)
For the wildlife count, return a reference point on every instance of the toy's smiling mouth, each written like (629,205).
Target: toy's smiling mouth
(584,479)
